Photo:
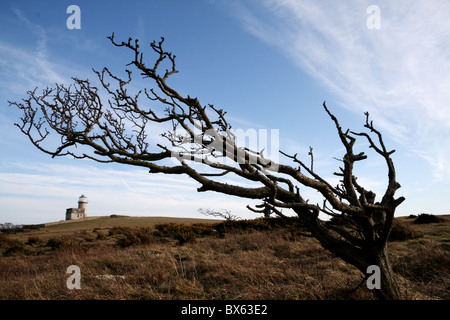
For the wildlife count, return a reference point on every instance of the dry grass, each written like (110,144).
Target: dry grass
(264,264)
(103,224)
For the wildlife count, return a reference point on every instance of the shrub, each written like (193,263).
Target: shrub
(63,242)
(9,228)
(288,222)
(144,234)
(202,229)
(117,216)
(135,236)
(18,248)
(427,218)
(12,246)
(185,236)
(180,230)
(292,224)
(425,262)
(100,235)
(242,225)
(6,242)
(118,230)
(401,231)
(31,227)
(34,240)
(127,240)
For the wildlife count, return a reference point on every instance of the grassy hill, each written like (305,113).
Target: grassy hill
(53,229)
(173,258)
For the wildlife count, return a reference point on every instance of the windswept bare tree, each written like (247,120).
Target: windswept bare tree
(114,125)
(224,214)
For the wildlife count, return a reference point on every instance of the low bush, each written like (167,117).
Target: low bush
(118,230)
(16,250)
(427,264)
(33,240)
(185,237)
(184,233)
(6,242)
(134,236)
(12,246)
(63,242)
(117,216)
(260,224)
(427,218)
(100,235)
(175,229)
(401,231)
(230,226)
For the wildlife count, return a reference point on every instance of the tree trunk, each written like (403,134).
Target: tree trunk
(389,287)
(361,258)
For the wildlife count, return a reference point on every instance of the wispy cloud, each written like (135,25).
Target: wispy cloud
(38,30)
(140,28)
(25,65)
(40,57)
(25,70)
(398,73)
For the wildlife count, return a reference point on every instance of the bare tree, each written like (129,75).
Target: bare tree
(114,125)
(9,227)
(224,214)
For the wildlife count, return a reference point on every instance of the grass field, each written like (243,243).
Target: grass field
(169,258)
(104,223)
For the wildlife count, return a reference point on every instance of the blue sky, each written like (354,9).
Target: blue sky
(269,63)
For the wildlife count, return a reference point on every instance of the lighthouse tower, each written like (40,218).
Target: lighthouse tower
(80,212)
(82,203)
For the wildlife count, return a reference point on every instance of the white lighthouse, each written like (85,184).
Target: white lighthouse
(82,202)
(80,212)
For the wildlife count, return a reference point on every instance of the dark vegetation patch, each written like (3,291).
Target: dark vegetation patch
(427,218)
(402,231)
